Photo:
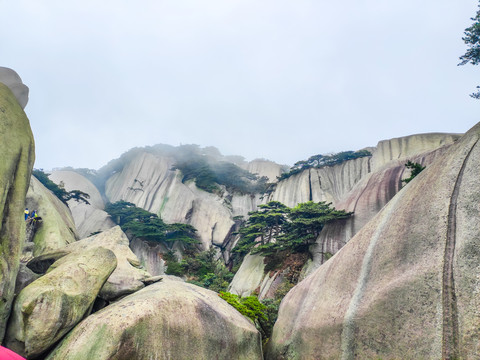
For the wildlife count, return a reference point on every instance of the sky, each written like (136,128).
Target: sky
(275,79)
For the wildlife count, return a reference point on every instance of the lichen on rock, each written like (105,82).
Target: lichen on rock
(17,149)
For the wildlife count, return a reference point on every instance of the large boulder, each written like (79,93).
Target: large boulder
(250,276)
(17,149)
(405,285)
(167,320)
(51,306)
(11,79)
(89,218)
(57,228)
(128,276)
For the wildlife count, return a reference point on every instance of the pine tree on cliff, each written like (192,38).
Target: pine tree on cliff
(472,39)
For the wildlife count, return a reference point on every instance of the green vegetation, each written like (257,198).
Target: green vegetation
(319,161)
(416,169)
(145,225)
(208,170)
(203,269)
(275,228)
(59,191)
(253,309)
(472,39)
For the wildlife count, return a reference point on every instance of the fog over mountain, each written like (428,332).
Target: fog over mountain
(273,79)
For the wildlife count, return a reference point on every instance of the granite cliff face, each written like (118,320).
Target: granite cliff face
(17,149)
(149,182)
(363,186)
(404,286)
(88,218)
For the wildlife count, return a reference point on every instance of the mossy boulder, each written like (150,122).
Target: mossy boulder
(166,320)
(128,276)
(57,228)
(17,158)
(51,306)
(406,286)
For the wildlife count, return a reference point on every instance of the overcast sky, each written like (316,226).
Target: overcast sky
(273,79)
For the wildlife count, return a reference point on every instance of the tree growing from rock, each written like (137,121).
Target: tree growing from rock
(145,225)
(275,227)
(472,39)
(59,191)
(415,168)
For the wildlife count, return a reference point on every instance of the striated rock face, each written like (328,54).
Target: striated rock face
(52,305)
(404,286)
(366,199)
(406,147)
(57,228)
(17,149)
(88,218)
(326,184)
(126,278)
(166,320)
(363,186)
(11,79)
(148,182)
(150,255)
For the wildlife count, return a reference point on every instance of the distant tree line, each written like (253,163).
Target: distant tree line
(319,161)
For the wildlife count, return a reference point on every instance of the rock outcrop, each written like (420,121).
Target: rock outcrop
(149,182)
(17,149)
(89,218)
(405,285)
(166,320)
(362,186)
(57,228)
(128,276)
(250,276)
(267,168)
(150,255)
(13,81)
(52,305)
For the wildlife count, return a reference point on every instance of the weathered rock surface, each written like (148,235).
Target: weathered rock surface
(250,276)
(166,320)
(366,199)
(325,184)
(150,255)
(57,228)
(13,81)
(17,149)
(406,147)
(88,219)
(128,276)
(405,285)
(52,305)
(266,168)
(362,186)
(148,182)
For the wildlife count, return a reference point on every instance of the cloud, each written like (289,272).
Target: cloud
(275,78)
